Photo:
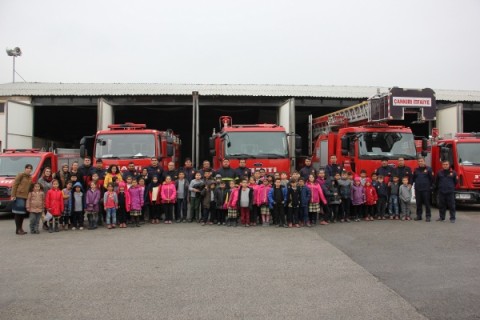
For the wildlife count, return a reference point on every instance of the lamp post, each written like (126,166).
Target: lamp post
(15,52)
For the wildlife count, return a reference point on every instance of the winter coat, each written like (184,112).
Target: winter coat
(370,195)
(46,185)
(67,202)
(271,199)
(329,190)
(168,193)
(220,196)
(21,185)
(233,199)
(35,202)
(185,188)
(105,199)
(405,193)
(54,202)
(136,198)
(404,171)
(393,188)
(357,195)
(382,190)
(250,197)
(92,200)
(306,171)
(423,178)
(445,181)
(261,195)
(108,179)
(293,197)
(155,171)
(345,188)
(316,193)
(305,195)
(127,201)
(149,193)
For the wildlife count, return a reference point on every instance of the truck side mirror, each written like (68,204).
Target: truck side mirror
(444,154)
(169,140)
(298,145)
(424,153)
(170,150)
(345,145)
(212,152)
(424,144)
(211,144)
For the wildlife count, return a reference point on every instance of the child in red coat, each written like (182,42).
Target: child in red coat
(371,200)
(54,205)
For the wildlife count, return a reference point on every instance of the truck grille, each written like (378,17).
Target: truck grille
(476,184)
(4,192)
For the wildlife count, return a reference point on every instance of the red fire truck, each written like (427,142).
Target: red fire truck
(263,146)
(13,161)
(132,142)
(360,135)
(462,150)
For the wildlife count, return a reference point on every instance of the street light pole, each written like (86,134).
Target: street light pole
(15,52)
(13,69)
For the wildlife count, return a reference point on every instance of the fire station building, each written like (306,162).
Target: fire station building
(59,114)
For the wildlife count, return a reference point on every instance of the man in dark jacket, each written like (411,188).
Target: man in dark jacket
(155,169)
(333,168)
(242,171)
(131,171)
(172,172)
(308,170)
(403,171)
(226,172)
(188,169)
(445,182)
(423,181)
(85,172)
(385,170)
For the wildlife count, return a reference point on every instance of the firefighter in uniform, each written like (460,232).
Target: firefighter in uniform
(423,180)
(445,182)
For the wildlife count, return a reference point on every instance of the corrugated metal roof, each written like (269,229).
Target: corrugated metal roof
(260,90)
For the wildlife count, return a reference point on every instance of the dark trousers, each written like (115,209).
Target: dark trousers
(423,199)
(77,219)
(19,222)
(446,200)
(181,209)
(279,213)
(345,212)
(254,214)
(292,215)
(333,208)
(357,211)
(195,208)
(304,214)
(221,215)
(381,207)
(168,209)
(327,214)
(369,210)
(121,215)
(154,211)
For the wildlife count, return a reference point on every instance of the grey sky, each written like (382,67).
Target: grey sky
(409,43)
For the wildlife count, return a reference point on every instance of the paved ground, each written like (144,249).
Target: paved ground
(377,270)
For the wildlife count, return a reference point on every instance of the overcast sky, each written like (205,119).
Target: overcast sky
(409,43)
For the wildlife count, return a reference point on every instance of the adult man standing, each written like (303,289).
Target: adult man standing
(242,171)
(423,181)
(171,172)
(308,169)
(131,171)
(445,182)
(385,170)
(226,172)
(188,170)
(206,166)
(154,169)
(333,168)
(403,171)
(85,172)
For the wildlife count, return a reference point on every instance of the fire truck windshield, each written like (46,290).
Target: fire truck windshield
(11,166)
(468,154)
(376,145)
(256,144)
(121,146)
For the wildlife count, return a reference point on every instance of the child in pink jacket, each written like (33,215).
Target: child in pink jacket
(232,204)
(169,197)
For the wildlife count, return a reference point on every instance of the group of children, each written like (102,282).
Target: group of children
(263,200)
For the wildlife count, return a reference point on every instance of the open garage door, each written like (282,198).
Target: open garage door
(450,119)
(286,118)
(19,125)
(105,114)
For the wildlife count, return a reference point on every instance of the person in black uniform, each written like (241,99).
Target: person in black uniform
(307,169)
(423,180)
(445,182)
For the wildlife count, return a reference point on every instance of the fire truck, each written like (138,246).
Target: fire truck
(462,150)
(13,161)
(263,146)
(361,137)
(121,144)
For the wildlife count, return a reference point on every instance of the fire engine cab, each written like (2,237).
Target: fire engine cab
(263,146)
(132,142)
(360,136)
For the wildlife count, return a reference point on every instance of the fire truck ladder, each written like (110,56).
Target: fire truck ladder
(326,123)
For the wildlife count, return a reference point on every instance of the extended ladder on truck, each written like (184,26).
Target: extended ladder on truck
(379,109)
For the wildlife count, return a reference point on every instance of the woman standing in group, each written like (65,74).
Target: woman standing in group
(20,190)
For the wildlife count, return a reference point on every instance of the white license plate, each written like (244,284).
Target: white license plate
(463,196)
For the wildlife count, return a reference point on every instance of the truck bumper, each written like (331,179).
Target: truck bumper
(6,205)
(467,196)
